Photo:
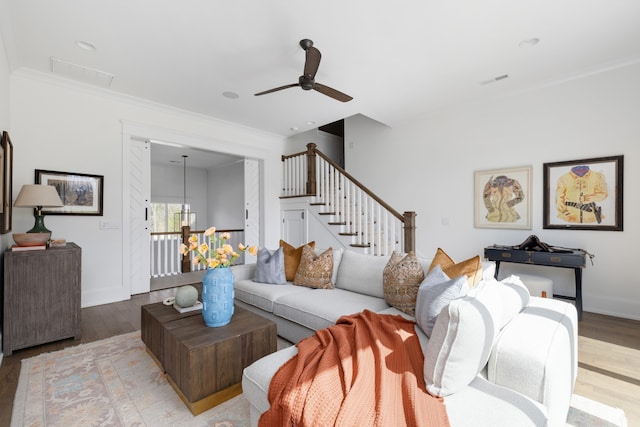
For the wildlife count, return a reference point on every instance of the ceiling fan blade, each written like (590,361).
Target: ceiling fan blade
(312,62)
(276,89)
(329,91)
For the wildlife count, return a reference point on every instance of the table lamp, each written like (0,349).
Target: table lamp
(38,196)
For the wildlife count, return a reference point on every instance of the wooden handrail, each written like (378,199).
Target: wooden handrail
(361,186)
(407,218)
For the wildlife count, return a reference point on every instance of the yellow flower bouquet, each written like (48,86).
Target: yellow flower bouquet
(220,255)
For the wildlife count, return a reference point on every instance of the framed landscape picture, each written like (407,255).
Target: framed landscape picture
(503,198)
(82,194)
(584,194)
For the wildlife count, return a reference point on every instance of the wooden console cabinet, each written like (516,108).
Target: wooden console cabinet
(41,296)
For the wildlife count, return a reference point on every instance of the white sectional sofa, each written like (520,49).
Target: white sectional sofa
(527,380)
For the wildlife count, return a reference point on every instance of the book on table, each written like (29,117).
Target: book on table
(17,248)
(196,306)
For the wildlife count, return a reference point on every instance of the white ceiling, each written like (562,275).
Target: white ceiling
(172,156)
(397,59)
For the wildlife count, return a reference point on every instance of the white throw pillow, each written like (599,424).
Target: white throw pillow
(435,292)
(462,338)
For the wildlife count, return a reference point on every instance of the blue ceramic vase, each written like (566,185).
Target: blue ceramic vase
(217,296)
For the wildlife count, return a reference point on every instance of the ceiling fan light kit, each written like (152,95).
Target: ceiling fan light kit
(307,80)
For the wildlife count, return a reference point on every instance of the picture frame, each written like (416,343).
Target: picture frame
(503,198)
(82,194)
(7,183)
(584,194)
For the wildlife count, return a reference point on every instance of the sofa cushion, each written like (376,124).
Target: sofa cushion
(292,258)
(472,267)
(401,278)
(261,295)
(314,270)
(361,273)
(462,338)
(515,297)
(321,308)
(270,267)
(434,294)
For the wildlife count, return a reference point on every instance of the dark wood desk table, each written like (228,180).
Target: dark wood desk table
(574,259)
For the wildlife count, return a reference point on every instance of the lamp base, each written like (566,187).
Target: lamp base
(39,225)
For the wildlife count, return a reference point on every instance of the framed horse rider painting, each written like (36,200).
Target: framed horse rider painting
(584,194)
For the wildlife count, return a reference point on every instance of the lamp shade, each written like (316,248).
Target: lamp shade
(38,195)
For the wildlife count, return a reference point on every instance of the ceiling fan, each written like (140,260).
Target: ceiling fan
(307,80)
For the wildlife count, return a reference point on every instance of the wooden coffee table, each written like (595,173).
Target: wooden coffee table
(204,365)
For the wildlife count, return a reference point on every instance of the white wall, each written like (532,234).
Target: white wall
(59,125)
(167,186)
(594,116)
(327,143)
(226,196)
(5,240)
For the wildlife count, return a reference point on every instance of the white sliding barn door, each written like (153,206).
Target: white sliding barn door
(140,214)
(251,205)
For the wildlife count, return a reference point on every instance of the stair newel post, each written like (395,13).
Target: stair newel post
(409,231)
(186,262)
(311,169)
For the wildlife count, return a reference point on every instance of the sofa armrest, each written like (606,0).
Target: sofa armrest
(536,354)
(243,271)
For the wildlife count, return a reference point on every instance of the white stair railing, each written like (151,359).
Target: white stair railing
(372,224)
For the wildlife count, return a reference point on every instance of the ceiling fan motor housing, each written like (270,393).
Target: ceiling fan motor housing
(306,83)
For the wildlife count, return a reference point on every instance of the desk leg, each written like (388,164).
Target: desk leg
(497,269)
(578,272)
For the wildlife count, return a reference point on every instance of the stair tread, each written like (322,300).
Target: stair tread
(326,213)
(337,223)
(360,245)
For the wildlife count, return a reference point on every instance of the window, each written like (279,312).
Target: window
(166,217)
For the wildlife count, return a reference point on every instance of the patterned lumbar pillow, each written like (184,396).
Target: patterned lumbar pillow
(270,268)
(292,258)
(401,279)
(472,267)
(315,271)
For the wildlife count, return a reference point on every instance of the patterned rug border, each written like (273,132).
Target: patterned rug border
(581,412)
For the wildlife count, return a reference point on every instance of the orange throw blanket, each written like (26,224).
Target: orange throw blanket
(367,370)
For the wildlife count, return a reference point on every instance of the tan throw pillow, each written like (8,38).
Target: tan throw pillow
(442,259)
(314,270)
(401,279)
(472,267)
(292,258)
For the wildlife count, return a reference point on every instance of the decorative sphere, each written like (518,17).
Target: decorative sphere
(186,296)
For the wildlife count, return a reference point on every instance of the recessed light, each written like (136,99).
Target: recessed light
(85,45)
(311,123)
(525,44)
(230,95)
(293,128)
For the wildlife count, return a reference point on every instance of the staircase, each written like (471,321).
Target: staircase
(349,209)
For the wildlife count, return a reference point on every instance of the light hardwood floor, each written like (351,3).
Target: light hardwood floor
(609,353)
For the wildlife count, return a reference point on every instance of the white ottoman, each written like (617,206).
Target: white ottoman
(538,286)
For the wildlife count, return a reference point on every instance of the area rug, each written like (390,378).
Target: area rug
(114,382)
